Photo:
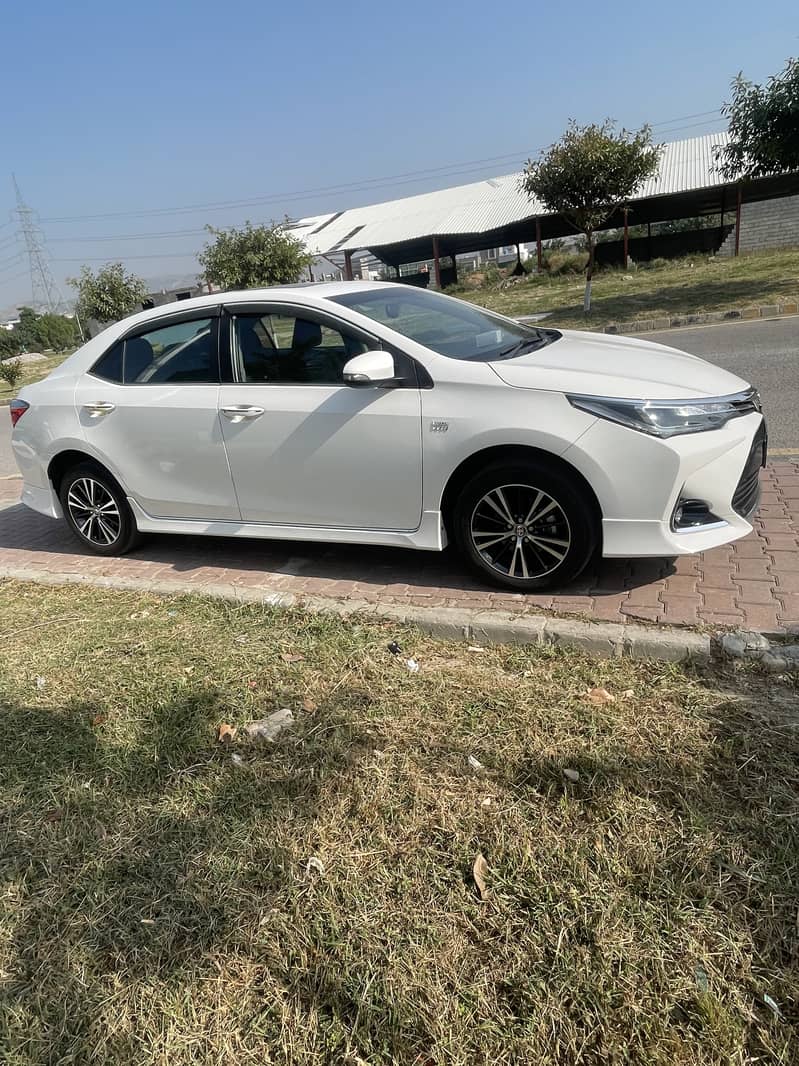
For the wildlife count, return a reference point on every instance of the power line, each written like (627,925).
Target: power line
(104,258)
(407,177)
(132,236)
(288,196)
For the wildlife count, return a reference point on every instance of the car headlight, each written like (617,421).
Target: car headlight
(668,418)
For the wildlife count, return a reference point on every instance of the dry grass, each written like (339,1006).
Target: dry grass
(157,905)
(32,372)
(681,286)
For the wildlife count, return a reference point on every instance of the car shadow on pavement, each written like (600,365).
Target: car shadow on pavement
(368,567)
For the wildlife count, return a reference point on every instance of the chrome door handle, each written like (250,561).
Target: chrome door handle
(100,407)
(241,411)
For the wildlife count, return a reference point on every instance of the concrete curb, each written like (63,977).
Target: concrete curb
(608,639)
(645,325)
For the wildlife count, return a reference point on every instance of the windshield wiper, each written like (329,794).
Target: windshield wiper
(525,342)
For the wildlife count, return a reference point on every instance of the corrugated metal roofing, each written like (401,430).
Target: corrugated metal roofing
(483,206)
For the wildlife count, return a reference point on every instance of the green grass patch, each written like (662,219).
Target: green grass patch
(157,902)
(681,286)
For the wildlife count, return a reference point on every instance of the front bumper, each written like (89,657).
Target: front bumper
(639,480)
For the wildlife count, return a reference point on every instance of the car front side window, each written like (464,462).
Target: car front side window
(291,349)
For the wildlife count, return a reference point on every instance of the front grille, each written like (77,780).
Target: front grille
(747,495)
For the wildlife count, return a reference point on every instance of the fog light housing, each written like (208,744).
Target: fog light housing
(692,514)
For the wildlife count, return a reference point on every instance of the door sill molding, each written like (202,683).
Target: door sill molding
(430,536)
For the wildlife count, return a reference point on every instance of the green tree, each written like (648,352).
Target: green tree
(589,173)
(254,256)
(763,126)
(26,330)
(9,343)
(56,331)
(109,294)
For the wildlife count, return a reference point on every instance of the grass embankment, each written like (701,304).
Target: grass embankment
(159,904)
(683,286)
(32,372)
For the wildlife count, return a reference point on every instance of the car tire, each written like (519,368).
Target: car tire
(525,527)
(96,510)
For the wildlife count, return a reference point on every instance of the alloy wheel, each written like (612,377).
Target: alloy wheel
(94,511)
(520,531)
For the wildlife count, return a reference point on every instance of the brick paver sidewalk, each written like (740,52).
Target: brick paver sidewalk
(753,583)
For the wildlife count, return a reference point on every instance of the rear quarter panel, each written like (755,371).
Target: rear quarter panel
(47,428)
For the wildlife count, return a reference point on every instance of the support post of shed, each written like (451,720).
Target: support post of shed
(738,222)
(626,239)
(539,251)
(397,272)
(348,266)
(437,262)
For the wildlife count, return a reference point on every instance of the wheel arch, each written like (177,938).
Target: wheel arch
(511,453)
(64,461)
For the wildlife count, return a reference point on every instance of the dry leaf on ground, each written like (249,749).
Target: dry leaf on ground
(479,873)
(475,764)
(225,733)
(315,865)
(308,705)
(598,696)
(287,657)
(571,775)
(54,815)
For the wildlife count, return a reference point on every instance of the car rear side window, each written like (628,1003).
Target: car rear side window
(109,366)
(183,352)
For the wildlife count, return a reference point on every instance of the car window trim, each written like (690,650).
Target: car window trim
(214,312)
(419,378)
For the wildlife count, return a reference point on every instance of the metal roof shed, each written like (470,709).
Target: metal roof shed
(495,212)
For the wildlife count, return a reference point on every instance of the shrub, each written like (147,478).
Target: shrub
(560,264)
(11,371)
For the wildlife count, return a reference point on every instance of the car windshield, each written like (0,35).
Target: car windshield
(447,326)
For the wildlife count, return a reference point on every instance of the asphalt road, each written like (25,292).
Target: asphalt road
(764,352)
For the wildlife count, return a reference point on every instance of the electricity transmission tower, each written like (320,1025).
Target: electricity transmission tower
(44,291)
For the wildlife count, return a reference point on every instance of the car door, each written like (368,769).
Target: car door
(304,448)
(149,409)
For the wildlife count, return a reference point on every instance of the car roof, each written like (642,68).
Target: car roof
(312,293)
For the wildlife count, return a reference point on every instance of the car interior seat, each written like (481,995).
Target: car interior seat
(139,356)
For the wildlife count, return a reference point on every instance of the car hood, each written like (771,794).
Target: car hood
(600,365)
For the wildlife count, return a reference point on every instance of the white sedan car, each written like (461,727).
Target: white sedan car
(385,414)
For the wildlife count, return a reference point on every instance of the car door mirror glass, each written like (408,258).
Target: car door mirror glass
(370,368)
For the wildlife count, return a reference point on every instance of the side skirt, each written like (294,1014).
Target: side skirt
(430,536)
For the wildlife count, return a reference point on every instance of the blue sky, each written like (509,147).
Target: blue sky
(124,109)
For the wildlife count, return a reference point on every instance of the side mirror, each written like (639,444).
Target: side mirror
(371,368)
